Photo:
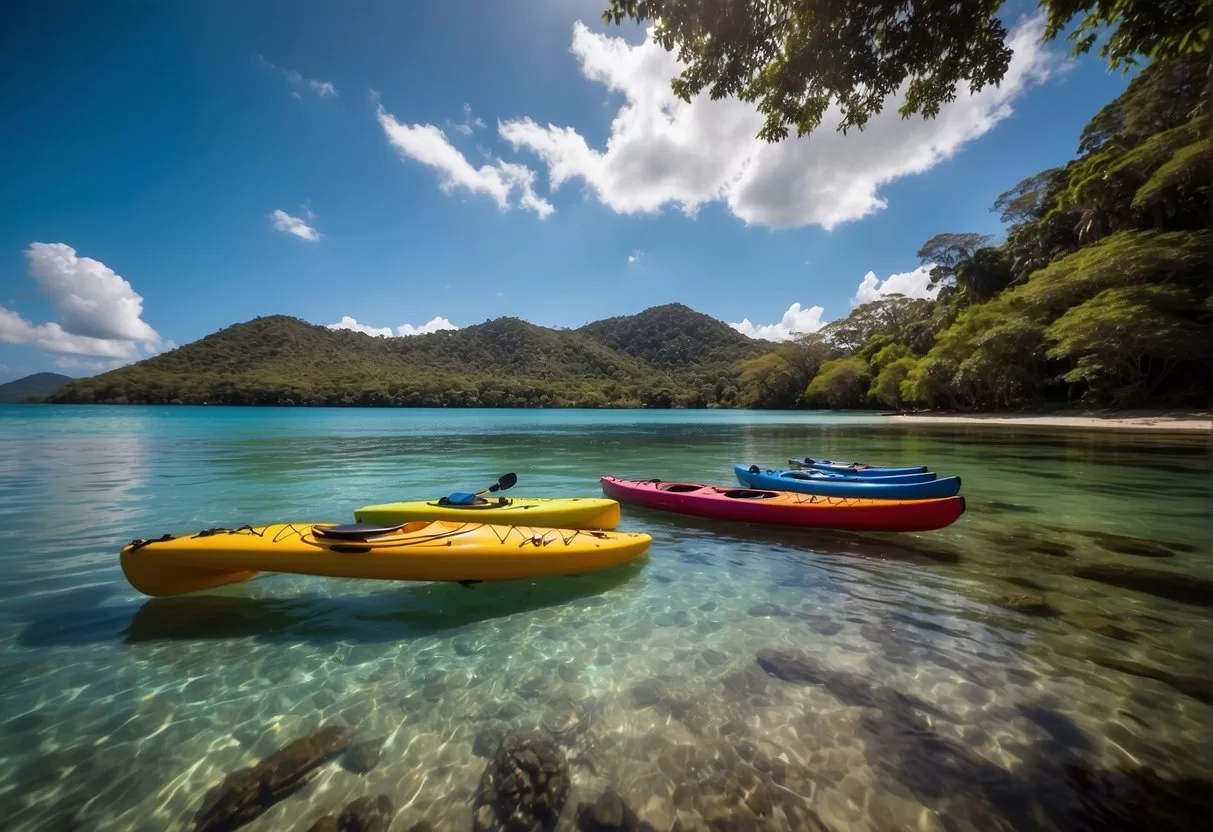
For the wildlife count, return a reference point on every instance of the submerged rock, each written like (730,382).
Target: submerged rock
(1124,545)
(1198,687)
(794,666)
(246,794)
(1173,586)
(826,628)
(1026,583)
(524,787)
(1028,604)
(366,814)
(607,814)
(767,610)
(364,756)
(1100,625)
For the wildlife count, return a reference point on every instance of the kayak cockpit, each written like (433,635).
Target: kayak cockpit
(749,494)
(679,487)
(363,532)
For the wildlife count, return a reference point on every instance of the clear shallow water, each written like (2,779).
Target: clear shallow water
(119,712)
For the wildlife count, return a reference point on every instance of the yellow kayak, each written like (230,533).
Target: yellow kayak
(559,513)
(435,550)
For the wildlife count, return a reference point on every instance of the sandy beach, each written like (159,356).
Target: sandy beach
(1122,420)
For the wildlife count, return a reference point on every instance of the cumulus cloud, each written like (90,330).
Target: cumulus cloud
(90,298)
(99,313)
(469,123)
(347,322)
(911,284)
(635,255)
(428,145)
(404,330)
(795,322)
(294,225)
(665,152)
(433,325)
(321,88)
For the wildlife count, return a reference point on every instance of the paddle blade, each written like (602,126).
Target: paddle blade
(503,482)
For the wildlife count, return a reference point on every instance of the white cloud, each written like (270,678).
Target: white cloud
(432,325)
(427,144)
(635,255)
(911,284)
(665,152)
(294,225)
(404,330)
(347,322)
(469,124)
(321,88)
(795,322)
(100,314)
(90,298)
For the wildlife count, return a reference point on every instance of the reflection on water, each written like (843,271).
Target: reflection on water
(1041,664)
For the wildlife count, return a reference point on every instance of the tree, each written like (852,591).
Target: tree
(947,252)
(1125,342)
(886,388)
(982,276)
(890,315)
(1153,28)
(840,383)
(795,58)
(779,378)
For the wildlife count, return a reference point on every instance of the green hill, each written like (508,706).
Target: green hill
(505,362)
(35,387)
(675,337)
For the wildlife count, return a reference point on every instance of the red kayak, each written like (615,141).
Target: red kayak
(786,508)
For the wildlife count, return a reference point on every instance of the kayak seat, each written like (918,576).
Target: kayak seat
(749,494)
(476,502)
(355,531)
(680,488)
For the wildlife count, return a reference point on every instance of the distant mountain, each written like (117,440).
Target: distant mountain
(505,362)
(675,337)
(38,386)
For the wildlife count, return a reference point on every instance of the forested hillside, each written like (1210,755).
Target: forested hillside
(1098,296)
(504,362)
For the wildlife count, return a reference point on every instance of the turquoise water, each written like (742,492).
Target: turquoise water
(934,706)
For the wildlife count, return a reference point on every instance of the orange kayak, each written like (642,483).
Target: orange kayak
(786,508)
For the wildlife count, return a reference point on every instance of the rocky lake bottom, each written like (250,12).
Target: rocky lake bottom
(1042,664)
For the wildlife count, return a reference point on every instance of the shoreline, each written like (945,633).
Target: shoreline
(1171,420)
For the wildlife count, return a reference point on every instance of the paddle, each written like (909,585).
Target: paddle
(466,498)
(503,482)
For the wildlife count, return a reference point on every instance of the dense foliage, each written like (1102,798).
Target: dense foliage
(796,58)
(507,362)
(32,388)
(1099,294)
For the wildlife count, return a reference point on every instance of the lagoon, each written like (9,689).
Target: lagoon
(1042,661)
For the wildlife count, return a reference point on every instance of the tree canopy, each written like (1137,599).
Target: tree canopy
(1098,294)
(795,58)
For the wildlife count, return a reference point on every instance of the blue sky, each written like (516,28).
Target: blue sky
(148,147)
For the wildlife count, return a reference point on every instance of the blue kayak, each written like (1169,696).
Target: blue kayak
(776,480)
(815,474)
(858,469)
